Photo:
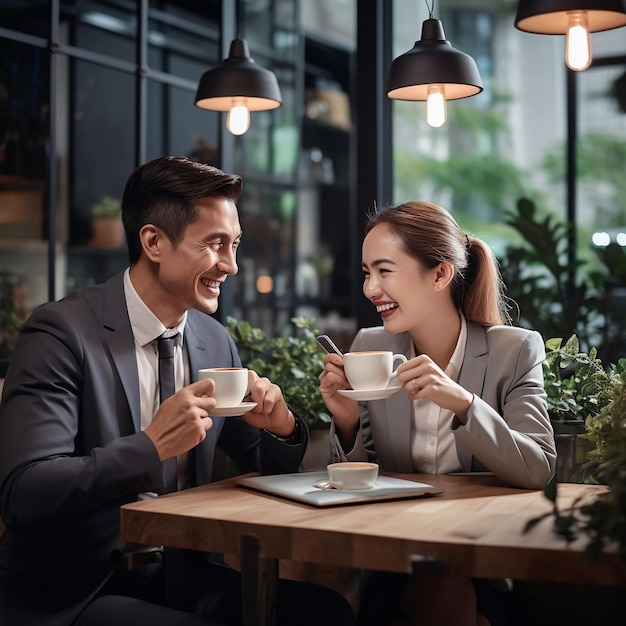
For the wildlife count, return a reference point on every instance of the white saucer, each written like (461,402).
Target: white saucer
(370,394)
(232,411)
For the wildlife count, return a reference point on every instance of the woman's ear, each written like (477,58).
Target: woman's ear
(444,273)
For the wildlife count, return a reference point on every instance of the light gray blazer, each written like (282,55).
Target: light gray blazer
(508,431)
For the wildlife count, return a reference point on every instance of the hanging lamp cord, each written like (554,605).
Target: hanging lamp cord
(238,13)
(430,8)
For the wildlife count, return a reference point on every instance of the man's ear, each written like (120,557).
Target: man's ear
(152,239)
(444,273)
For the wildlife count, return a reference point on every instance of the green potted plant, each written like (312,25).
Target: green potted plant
(602,521)
(577,383)
(294,362)
(107,227)
(578,388)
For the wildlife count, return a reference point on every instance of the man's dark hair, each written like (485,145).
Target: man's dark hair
(162,192)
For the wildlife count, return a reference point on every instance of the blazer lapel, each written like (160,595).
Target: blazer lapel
(398,415)
(122,344)
(472,375)
(201,357)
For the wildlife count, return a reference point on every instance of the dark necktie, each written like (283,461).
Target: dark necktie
(174,560)
(167,380)
(167,388)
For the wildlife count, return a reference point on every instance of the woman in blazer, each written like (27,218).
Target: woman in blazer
(472,397)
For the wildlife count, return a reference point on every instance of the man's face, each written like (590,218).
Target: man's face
(192,272)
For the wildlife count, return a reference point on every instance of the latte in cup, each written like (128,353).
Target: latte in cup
(371,369)
(231,384)
(352,475)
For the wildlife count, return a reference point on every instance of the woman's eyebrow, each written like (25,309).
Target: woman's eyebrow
(378,262)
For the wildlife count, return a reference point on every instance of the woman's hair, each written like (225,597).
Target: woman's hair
(431,235)
(162,192)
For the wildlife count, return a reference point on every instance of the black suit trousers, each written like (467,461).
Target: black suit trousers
(137,597)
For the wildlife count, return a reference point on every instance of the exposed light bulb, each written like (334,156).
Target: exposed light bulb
(238,120)
(577,43)
(436,106)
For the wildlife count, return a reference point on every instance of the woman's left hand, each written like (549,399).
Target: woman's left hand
(422,378)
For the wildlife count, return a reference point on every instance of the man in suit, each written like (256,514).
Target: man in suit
(84,428)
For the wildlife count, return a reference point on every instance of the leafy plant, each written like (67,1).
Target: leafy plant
(294,362)
(577,384)
(558,296)
(603,521)
(107,206)
(552,296)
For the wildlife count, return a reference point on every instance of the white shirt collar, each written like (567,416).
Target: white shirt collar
(456,361)
(145,324)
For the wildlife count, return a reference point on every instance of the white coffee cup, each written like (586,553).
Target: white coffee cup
(353,475)
(231,384)
(370,370)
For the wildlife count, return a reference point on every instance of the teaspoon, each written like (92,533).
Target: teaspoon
(327,343)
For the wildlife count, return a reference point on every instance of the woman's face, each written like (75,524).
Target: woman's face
(402,290)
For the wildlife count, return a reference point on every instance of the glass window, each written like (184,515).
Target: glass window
(265,280)
(24,140)
(177,127)
(491,150)
(601,154)
(107,28)
(103,133)
(27,16)
(176,35)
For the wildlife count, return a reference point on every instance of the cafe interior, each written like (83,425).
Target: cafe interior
(328,109)
(92,88)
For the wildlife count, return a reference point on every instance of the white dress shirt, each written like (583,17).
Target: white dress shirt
(433,444)
(147,328)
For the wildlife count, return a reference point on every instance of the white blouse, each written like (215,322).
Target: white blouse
(433,445)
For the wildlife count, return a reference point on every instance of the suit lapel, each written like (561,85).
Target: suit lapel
(121,343)
(472,375)
(398,413)
(201,357)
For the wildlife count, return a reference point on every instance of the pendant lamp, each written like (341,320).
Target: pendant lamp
(238,86)
(433,71)
(573,18)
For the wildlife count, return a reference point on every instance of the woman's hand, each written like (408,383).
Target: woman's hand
(345,412)
(422,378)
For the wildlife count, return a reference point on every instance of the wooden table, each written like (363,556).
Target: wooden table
(474,528)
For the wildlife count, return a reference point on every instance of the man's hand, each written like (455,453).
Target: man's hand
(183,419)
(271,412)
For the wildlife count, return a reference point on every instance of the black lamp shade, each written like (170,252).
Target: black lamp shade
(433,61)
(238,77)
(549,17)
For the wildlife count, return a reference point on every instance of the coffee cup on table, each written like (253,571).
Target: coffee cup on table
(352,475)
(231,384)
(370,370)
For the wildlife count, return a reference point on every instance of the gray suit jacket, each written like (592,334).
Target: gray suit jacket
(508,431)
(72,450)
